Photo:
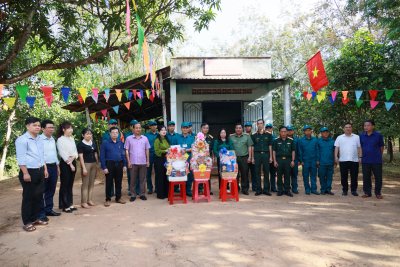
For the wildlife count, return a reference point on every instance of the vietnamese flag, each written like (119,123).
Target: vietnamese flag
(316,72)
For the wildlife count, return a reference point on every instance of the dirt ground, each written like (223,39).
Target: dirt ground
(263,231)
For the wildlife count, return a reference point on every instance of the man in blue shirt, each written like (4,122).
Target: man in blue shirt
(185,141)
(113,163)
(325,161)
(295,169)
(272,170)
(308,158)
(171,131)
(33,171)
(372,146)
(152,135)
(52,164)
(132,126)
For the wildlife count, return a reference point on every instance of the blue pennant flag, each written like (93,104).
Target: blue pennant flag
(387,104)
(107,4)
(313,95)
(130,95)
(141,93)
(107,92)
(30,101)
(358,94)
(330,98)
(116,108)
(95,100)
(65,93)
(105,119)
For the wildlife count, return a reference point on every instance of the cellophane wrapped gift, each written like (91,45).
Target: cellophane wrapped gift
(228,161)
(200,160)
(176,164)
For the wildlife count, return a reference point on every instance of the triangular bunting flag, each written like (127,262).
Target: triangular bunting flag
(141,94)
(148,93)
(319,98)
(151,98)
(134,93)
(104,112)
(47,90)
(93,116)
(297,95)
(83,92)
(116,108)
(96,118)
(323,94)
(30,101)
(373,94)
(130,96)
(359,102)
(313,95)
(331,99)
(65,93)
(309,96)
(1,89)
(373,103)
(358,95)
(153,93)
(94,98)
(388,94)
(107,92)
(105,96)
(139,101)
(344,93)
(68,99)
(305,94)
(345,100)
(389,105)
(105,119)
(118,91)
(22,91)
(128,105)
(126,94)
(333,93)
(49,100)
(95,94)
(10,102)
(80,99)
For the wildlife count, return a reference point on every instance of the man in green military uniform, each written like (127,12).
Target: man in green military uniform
(284,156)
(242,144)
(262,154)
(272,170)
(248,127)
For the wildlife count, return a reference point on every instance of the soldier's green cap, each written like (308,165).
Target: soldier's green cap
(112,121)
(152,123)
(324,129)
(133,122)
(289,127)
(248,124)
(171,122)
(269,125)
(307,127)
(190,123)
(185,124)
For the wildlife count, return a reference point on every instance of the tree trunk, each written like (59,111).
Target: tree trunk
(8,134)
(390,148)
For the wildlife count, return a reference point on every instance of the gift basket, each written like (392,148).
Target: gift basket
(201,163)
(228,164)
(176,164)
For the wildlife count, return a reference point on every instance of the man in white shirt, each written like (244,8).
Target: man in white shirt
(350,148)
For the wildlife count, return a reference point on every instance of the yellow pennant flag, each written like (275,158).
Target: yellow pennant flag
(10,102)
(323,94)
(148,93)
(319,98)
(119,94)
(83,92)
(146,58)
(93,116)
(134,5)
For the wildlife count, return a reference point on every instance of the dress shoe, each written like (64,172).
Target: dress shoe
(67,210)
(288,194)
(189,194)
(314,192)
(322,193)
(44,219)
(73,208)
(132,199)
(344,193)
(379,197)
(143,198)
(279,193)
(365,196)
(150,192)
(329,193)
(267,193)
(120,201)
(53,213)
(307,193)
(354,193)
(258,193)
(274,190)
(211,193)
(245,193)
(90,203)
(107,204)
(295,191)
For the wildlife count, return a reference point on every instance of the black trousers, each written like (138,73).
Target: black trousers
(367,169)
(32,195)
(161,178)
(345,166)
(67,178)
(115,173)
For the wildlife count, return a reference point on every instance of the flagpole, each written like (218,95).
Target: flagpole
(291,76)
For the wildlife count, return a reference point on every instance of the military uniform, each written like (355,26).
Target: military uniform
(186,143)
(241,144)
(308,156)
(272,170)
(295,169)
(325,149)
(262,156)
(283,150)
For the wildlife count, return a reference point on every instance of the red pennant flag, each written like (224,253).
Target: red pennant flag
(128,105)
(151,98)
(105,96)
(134,93)
(373,103)
(47,90)
(96,118)
(373,94)
(345,100)
(104,112)
(80,99)
(305,94)
(316,72)
(49,99)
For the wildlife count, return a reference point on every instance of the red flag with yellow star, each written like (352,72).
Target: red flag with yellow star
(316,72)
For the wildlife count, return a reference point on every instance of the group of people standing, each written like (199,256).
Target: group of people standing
(255,151)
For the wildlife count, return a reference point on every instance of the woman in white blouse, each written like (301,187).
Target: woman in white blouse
(67,149)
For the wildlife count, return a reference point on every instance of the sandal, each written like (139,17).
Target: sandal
(40,222)
(85,206)
(90,203)
(29,227)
